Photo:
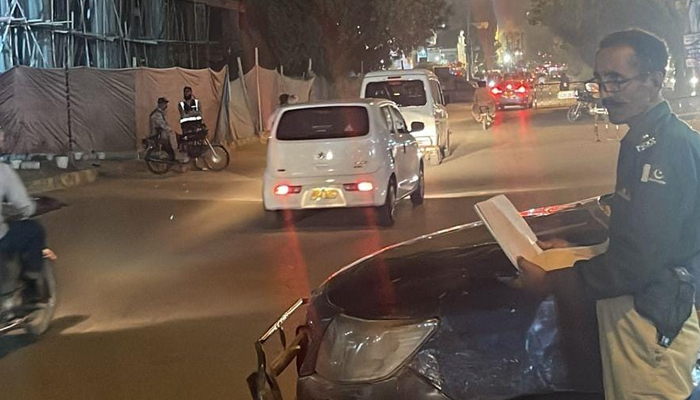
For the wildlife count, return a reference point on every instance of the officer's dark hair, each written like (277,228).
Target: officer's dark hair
(186,89)
(651,50)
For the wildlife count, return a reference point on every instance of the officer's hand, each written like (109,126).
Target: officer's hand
(553,244)
(532,278)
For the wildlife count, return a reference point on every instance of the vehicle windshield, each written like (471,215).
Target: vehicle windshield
(323,123)
(405,93)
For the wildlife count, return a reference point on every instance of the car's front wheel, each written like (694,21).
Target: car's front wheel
(385,212)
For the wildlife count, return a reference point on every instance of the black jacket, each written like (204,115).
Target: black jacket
(654,224)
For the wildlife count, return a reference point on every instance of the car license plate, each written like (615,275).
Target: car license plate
(324,194)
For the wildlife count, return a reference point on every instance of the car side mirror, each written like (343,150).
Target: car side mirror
(417,126)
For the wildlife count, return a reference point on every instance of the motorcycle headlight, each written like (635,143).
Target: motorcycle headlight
(355,350)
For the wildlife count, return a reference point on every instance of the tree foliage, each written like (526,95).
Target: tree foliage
(341,35)
(583,23)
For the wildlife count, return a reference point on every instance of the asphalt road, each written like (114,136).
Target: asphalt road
(165,283)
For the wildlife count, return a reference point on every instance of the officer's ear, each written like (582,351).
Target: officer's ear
(656,79)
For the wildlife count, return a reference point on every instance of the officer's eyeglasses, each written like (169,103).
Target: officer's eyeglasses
(612,86)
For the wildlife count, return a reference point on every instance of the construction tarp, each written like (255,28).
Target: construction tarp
(109,109)
(245,109)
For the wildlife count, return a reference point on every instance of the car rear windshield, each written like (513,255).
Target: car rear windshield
(323,123)
(403,93)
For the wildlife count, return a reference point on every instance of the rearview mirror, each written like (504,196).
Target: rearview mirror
(417,126)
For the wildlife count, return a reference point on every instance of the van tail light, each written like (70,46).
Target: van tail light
(359,187)
(521,89)
(283,190)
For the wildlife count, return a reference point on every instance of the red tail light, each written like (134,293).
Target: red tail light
(359,187)
(521,89)
(496,91)
(283,190)
(509,87)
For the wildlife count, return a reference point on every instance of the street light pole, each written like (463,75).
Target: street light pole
(469,49)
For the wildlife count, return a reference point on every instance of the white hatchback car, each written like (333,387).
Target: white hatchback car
(337,154)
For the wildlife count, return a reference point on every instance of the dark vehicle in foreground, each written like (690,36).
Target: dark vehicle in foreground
(431,318)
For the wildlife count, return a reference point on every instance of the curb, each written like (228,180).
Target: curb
(62,181)
(247,141)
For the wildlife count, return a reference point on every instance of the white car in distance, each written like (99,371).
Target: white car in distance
(336,154)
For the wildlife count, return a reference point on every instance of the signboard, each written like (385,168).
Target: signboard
(692,49)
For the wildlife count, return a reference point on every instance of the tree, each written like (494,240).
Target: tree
(341,35)
(583,23)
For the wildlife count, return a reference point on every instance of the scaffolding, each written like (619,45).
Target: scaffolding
(113,33)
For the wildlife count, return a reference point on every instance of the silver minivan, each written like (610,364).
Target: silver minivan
(419,95)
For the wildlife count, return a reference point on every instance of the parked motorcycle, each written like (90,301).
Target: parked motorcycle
(160,157)
(19,310)
(585,103)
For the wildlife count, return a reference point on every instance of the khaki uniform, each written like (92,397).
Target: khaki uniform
(159,126)
(635,366)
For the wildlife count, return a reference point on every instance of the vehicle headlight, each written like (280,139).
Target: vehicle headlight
(355,350)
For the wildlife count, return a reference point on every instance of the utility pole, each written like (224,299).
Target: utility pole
(470,47)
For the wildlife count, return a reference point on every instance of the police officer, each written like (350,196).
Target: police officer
(648,326)
(159,127)
(190,111)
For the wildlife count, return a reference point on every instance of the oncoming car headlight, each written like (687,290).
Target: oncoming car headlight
(356,350)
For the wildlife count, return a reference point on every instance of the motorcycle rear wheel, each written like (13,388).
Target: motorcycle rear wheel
(40,319)
(157,160)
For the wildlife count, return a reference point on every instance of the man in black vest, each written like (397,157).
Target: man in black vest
(190,112)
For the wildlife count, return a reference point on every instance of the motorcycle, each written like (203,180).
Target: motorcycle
(585,102)
(194,143)
(18,309)
(484,115)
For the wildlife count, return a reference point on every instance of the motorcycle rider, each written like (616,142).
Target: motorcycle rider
(160,127)
(483,98)
(24,238)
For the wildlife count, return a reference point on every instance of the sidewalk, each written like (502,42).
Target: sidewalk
(50,177)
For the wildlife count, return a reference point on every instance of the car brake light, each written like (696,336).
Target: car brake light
(496,91)
(361,187)
(283,190)
(521,89)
